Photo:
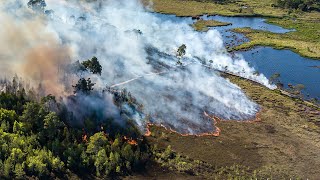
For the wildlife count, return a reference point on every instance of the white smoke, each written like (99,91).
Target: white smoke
(133,44)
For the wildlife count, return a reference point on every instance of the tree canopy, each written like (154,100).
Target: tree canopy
(35,141)
(93,65)
(83,85)
(182,50)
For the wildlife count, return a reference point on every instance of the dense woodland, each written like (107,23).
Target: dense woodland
(37,138)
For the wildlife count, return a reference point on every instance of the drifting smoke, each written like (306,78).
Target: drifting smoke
(31,49)
(97,105)
(137,50)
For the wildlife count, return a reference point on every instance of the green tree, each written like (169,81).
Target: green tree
(7,168)
(19,128)
(17,155)
(96,143)
(100,162)
(53,127)
(33,116)
(19,171)
(114,161)
(127,153)
(116,145)
(74,154)
(83,85)
(42,162)
(93,65)
(181,50)
(8,116)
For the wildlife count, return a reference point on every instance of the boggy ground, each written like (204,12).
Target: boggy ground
(305,40)
(284,144)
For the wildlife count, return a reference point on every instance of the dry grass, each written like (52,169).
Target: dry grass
(238,8)
(284,144)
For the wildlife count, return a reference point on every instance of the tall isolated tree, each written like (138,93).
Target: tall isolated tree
(181,52)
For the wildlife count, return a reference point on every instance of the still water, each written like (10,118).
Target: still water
(293,68)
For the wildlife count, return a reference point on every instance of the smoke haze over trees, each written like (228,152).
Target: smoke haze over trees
(89,76)
(136,51)
(38,142)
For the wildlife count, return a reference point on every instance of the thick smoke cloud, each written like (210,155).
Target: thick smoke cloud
(31,49)
(137,50)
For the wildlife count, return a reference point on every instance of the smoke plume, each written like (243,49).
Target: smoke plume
(137,50)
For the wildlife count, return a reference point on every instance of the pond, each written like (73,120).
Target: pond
(293,68)
(241,22)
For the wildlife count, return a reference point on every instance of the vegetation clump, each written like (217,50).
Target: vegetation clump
(93,65)
(303,41)
(83,85)
(203,25)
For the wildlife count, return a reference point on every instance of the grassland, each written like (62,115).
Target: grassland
(294,41)
(284,144)
(305,40)
(237,8)
(203,25)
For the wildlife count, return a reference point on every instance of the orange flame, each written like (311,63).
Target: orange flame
(216,133)
(85,138)
(148,132)
(130,140)
(215,120)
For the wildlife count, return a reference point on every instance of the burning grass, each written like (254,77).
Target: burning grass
(283,144)
(215,121)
